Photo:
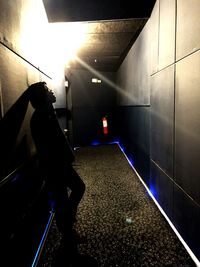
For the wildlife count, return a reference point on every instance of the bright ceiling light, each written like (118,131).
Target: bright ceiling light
(66,39)
(95,80)
(50,46)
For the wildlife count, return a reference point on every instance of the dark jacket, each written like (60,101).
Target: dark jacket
(53,148)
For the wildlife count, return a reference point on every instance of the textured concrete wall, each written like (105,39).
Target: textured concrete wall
(24,57)
(173,58)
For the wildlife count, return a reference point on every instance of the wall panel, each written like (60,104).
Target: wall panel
(23,29)
(186,218)
(161,187)
(188,27)
(162,119)
(13,75)
(174,30)
(154,37)
(133,75)
(133,130)
(22,63)
(187,131)
(167,33)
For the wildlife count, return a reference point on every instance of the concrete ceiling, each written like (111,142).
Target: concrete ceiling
(111,28)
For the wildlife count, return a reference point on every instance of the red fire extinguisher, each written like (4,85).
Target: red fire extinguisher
(105,125)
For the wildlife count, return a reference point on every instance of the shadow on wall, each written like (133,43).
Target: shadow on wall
(10,126)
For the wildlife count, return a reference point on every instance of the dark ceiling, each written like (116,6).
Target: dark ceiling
(112,27)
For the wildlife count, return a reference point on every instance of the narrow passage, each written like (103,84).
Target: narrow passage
(122,224)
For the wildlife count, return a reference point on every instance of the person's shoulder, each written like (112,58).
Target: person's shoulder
(39,117)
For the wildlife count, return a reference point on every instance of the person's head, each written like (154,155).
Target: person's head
(40,95)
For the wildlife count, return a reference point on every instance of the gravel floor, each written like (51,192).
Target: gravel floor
(122,224)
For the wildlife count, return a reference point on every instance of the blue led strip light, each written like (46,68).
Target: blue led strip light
(194,258)
(41,244)
(152,194)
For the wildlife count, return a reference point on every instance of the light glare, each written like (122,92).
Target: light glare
(67,38)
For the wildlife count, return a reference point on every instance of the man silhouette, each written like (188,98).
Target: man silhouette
(56,158)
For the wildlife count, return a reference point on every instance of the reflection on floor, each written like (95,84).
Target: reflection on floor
(122,224)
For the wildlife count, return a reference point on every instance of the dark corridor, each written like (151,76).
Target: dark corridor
(122,224)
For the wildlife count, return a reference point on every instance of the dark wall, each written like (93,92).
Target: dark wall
(90,103)
(133,103)
(133,130)
(21,65)
(163,66)
(23,197)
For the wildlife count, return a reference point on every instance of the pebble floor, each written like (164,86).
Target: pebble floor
(123,226)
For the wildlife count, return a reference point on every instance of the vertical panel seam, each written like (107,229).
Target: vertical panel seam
(158,34)
(174,111)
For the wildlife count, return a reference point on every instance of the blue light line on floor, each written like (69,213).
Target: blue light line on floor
(41,244)
(152,194)
(192,255)
(95,143)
